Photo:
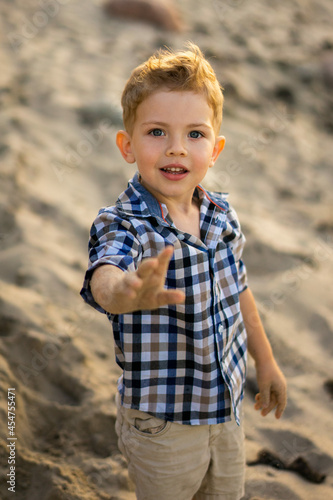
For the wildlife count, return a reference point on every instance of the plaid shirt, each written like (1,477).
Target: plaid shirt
(185,363)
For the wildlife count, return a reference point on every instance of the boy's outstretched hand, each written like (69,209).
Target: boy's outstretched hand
(119,292)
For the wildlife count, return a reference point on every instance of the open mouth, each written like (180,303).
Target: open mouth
(174,170)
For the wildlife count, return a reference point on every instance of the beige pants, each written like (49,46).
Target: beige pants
(169,461)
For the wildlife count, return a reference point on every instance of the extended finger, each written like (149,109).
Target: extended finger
(163,259)
(147,267)
(168,297)
(158,265)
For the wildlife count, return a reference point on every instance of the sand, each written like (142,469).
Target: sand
(63,67)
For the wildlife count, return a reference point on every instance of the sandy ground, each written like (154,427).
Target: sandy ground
(63,66)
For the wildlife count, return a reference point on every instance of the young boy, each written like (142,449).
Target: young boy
(166,268)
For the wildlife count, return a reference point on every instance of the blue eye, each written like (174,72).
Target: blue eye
(195,134)
(156,132)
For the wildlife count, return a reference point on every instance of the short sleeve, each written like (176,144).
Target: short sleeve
(238,244)
(242,277)
(112,241)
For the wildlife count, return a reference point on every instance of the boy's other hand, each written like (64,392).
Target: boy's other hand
(119,292)
(272,389)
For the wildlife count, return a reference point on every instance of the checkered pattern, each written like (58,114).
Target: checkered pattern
(185,363)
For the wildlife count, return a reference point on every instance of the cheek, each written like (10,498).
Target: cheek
(151,152)
(146,157)
(203,155)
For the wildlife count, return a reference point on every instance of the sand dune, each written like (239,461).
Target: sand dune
(64,64)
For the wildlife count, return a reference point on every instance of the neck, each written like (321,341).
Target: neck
(182,205)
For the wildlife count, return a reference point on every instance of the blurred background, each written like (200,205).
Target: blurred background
(64,64)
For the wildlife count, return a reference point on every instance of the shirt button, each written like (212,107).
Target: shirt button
(181,237)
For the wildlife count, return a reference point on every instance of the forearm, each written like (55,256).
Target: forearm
(271,382)
(258,344)
(104,282)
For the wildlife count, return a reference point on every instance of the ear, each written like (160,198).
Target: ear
(219,145)
(123,141)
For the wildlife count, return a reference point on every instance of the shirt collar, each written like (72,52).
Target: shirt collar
(137,201)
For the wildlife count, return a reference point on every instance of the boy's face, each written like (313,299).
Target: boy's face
(173,143)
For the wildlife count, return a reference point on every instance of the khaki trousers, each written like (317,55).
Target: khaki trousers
(170,461)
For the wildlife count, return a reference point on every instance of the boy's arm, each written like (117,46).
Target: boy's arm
(119,292)
(271,382)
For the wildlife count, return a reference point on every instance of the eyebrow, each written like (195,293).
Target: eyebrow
(164,124)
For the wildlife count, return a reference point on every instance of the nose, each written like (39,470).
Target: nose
(176,147)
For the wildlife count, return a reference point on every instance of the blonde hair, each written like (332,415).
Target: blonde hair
(185,70)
